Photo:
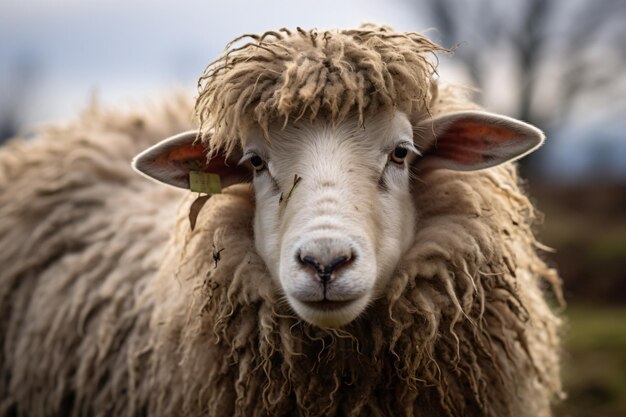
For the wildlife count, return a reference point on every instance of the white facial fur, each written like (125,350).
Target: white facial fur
(352,209)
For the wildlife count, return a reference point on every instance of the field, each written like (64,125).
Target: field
(594,362)
(586,225)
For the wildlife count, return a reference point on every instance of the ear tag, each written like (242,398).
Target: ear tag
(204,182)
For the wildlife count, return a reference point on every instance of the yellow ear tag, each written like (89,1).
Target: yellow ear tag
(204,182)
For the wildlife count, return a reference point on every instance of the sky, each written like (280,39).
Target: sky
(123,50)
(56,55)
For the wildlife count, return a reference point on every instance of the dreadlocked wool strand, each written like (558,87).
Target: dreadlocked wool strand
(288,76)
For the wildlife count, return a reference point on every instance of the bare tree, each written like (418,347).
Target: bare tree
(19,84)
(565,52)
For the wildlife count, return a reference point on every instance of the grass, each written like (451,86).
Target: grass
(609,247)
(594,363)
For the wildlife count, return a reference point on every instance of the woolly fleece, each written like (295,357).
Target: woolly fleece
(111,305)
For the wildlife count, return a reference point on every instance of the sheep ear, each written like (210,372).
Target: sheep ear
(473,140)
(173,160)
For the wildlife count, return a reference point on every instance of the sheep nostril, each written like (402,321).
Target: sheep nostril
(311,261)
(336,263)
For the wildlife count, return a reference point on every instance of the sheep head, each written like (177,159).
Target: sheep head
(330,127)
(334,209)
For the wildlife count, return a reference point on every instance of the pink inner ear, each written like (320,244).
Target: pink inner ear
(190,156)
(481,134)
(469,142)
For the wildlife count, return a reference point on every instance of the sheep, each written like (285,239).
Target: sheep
(366,249)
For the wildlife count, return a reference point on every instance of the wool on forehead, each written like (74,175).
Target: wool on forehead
(282,76)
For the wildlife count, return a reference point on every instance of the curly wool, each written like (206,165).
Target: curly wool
(102,314)
(462,331)
(80,234)
(284,76)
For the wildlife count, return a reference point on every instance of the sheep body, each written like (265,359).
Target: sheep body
(105,311)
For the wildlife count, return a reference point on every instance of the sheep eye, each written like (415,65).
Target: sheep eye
(257,163)
(399,154)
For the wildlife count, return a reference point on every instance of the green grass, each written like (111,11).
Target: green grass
(594,362)
(591,328)
(608,247)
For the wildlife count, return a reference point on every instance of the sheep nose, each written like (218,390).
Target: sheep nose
(325,271)
(325,257)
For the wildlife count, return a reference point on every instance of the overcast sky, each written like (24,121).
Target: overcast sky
(55,54)
(67,49)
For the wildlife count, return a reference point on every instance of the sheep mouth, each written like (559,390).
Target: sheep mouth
(327,305)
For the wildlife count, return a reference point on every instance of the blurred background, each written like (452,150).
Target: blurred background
(558,64)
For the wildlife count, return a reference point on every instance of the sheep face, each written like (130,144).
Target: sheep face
(333,211)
